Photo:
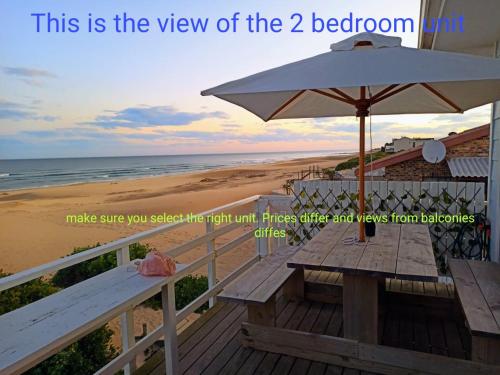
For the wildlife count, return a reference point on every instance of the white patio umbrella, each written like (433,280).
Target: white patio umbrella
(367,73)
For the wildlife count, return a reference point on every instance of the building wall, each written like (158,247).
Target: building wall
(420,170)
(416,170)
(406,143)
(494,181)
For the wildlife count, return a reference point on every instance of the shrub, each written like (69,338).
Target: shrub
(92,267)
(85,356)
(24,294)
(187,290)
(354,162)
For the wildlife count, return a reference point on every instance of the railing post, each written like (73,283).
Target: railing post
(170,328)
(262,241)
(127,318)
(212,275)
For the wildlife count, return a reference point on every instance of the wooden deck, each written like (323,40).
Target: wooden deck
(212,344)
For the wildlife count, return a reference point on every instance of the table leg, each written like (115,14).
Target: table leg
(360,310)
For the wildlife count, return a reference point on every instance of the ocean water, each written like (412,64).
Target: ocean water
(33,173)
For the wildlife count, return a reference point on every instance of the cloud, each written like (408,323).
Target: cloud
(27,72)
(67,134)
(18,112)
(143,136)
(136,117)
(40,133)
(231,126)
(30,76)
(271,135)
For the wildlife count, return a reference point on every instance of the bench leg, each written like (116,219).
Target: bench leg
(263,314)
(486,350)
(293,289)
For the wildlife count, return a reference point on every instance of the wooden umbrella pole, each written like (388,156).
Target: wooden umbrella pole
(362,106)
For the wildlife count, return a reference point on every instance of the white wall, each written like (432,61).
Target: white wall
(405,143)
(494,177)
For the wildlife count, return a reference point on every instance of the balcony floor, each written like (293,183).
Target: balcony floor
(211,345)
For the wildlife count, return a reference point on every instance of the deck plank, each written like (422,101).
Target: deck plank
(233,350)
(243,354)
(253,362)
(222,352)
(320,327)
(270,360)
(306,325)
(206,329)
(224,331)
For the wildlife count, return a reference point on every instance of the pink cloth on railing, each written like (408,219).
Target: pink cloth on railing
(156,264)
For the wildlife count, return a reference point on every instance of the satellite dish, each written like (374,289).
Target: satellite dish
(434,151)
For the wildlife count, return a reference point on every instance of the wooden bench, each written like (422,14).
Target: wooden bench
(257,287)
(40,329)
(477,286)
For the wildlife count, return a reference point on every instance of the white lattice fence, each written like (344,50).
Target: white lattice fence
(401,198)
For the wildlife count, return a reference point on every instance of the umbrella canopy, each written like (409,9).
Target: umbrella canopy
(367,73)
(420,81)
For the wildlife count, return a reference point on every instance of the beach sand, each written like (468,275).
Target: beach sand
(34,228)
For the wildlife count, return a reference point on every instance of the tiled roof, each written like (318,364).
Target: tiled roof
(413,153)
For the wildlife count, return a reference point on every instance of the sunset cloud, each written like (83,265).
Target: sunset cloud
(19,112)
(30,76)
(137,117)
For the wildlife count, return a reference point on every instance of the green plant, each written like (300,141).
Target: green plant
(354,162)
(92,267)
(187,290)
(330,173)
(83,357)
(24,294)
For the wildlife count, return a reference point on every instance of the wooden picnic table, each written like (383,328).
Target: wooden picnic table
(400,251)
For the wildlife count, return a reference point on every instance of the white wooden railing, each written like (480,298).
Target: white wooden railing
(130,348)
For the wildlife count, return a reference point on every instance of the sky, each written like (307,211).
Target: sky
(77,94)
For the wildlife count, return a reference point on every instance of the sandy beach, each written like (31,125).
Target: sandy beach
(35,231)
